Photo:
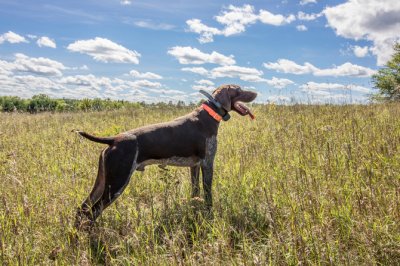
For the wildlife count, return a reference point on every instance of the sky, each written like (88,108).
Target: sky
(303,51)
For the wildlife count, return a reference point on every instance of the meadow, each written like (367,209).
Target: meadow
(301,184)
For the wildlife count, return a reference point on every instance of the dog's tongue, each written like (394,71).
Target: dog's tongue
(244,110)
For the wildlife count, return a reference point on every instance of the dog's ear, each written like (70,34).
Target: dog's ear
(221,95)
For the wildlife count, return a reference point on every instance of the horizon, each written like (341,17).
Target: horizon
(150,51)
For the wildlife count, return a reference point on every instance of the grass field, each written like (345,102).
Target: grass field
(299,185)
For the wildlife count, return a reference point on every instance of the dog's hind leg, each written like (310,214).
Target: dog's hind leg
(97,191)
(119,162)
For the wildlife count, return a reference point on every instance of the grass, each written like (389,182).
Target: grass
(300,185)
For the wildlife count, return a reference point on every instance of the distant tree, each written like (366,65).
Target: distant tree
(12,103)
(41,103)
(85,104)
(387,80)
(180,104)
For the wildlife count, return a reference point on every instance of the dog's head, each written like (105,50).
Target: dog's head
(231,97)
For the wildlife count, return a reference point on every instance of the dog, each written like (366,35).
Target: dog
(188,141)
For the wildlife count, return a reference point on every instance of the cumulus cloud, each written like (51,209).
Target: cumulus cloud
(375,21)
(126,2)
(305,2)
(46,42)
(314,86)
(360,51)
(188,55)
(288,66)
(267,17)
(146,75)
(206,33)
(26,76)
(279,83)
(152,25)
(346,69)
(143,83)
(244,73)
(104,50)
(11,37)
(205,82)
(280,99)
(197,70)
(301,28)
(308,17)
(235,20)
(167,92)
(38,66)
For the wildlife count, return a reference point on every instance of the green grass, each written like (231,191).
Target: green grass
(300,185)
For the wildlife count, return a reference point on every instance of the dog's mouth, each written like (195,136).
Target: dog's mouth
(242,109)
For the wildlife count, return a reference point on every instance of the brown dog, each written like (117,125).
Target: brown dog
(190,141)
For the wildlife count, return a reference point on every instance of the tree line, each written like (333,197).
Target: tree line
(43,103)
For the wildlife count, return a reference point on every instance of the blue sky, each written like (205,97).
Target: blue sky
(301,50)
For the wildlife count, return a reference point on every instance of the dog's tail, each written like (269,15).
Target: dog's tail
(104,140)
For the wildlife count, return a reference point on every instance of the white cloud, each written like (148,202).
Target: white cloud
(11,37)
(288,66)
(197,70)
(305,2)
(206,33)
(164,91)
(152,25)
(314,86)
(280,99)
(267,17)
(126,2)
(189,55)
(235,20)
(32,65)
(26,76)
(144,84)
(198,87)
(104,50)
(375,21)
(87,81)
(146,75)
(360,51)
(301,28)
(205,82)
(244,73)
(46,41)
(279,83)
(308,17)
(346,69)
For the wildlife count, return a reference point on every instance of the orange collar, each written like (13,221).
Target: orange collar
(211,112)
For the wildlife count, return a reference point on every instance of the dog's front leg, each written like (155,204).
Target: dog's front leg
(194,173)
(207,173)
(207,169)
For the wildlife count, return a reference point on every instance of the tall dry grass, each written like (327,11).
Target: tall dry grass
(299,185)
